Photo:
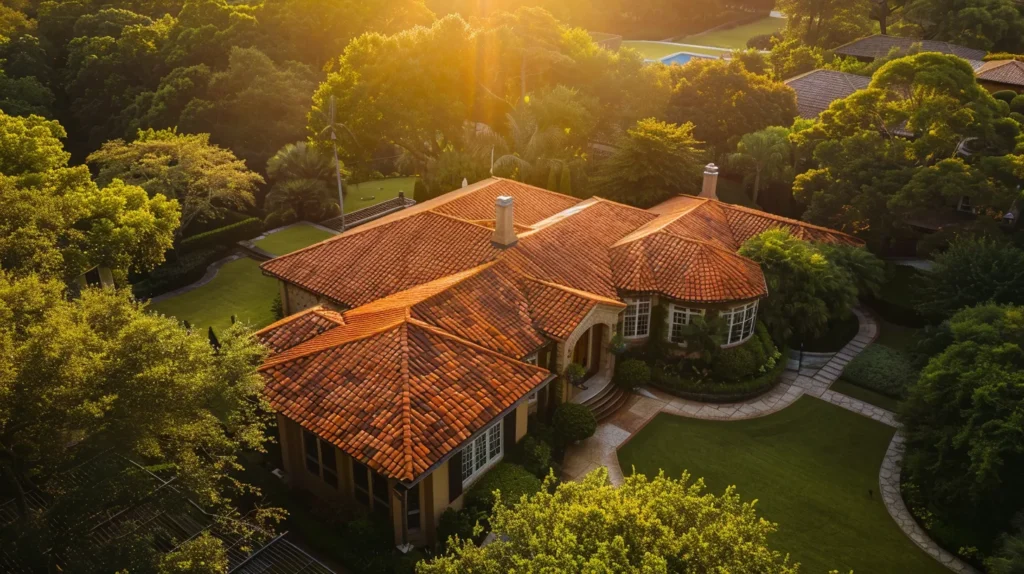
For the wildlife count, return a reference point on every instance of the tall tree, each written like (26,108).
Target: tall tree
(99,376)
(723,101)
(302,188)
(204,178)
(767,153)
(974,271)
(56,221)
(646,525)
(992,25)
(654,161)
(826,23)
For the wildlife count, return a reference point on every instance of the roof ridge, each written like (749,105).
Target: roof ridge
(443,333)
(559,217)
(538,188)
(708,244)
(469,221)
(618,203)
(775,217)
(579,292)
(407,446)
(669,218)
(317,345)
(443,284)
(292,317)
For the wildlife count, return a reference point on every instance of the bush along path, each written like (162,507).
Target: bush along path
(601,449)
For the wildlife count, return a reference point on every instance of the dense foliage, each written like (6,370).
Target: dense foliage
(573,422)
(98,376)
(974,270)
(645,525)
(883,369)
(511,480)
(962,425)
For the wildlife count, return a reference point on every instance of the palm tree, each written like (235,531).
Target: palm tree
(301,176)
(766,153)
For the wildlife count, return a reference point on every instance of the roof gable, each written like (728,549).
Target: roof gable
(1010,72)
(817,89)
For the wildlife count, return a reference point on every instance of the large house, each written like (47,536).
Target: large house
(417,345)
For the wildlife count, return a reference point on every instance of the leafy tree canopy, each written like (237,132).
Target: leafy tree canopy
(828,23)
(204,178)
(100,375)
(991,25)
(974,271)
(654,161)
(724,100)
(646,525)
(962,422)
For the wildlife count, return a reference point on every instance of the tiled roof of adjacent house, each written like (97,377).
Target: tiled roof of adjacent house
(880,45)
(817,89)
(439,320)
(1009,72)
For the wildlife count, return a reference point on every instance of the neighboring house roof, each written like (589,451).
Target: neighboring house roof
(1009,72)
(440,320)
(879,45)
(817,89)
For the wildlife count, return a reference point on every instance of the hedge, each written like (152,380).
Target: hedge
(1017,105)
(1005,95)
(573,422)
(717,391)
(177,272)
(883,369)
(734,364)
(512,480)
(227,235)
(632,373)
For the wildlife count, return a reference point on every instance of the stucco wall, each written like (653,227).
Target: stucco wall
(295,299)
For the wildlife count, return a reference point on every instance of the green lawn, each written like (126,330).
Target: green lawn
(657,50)
(898,337)
(845,387)
(239,289)
(736,38)
(813,468)
(295,237)
(369,193)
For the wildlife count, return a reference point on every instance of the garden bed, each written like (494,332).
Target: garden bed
(713,391)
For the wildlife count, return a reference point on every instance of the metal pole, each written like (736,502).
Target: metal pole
(337,167)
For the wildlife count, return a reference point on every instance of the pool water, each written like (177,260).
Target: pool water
(683,57)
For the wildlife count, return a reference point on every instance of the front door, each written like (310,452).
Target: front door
(581,353)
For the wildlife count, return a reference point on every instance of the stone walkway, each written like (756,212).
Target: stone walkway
(602,448)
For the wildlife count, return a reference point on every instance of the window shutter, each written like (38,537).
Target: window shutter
(455,476)
(510,431)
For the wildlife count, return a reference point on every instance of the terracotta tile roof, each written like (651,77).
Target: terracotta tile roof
(532,204)
(1009,72)
(399,399)
(685,269)
(879,45)
(374,261)
(487,309)
(817,89)
(746,223)
(557,310)
(298,328)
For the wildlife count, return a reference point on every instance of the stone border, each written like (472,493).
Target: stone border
(211,272)
(602,448)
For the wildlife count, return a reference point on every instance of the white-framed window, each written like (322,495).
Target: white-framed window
(740,322)
(680,317)
(320,458)
(636,319)
(484,452)
(531,399)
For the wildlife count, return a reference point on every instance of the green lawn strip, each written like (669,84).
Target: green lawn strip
(898,337)
(736,38)
(658,50)
(293,238)
(845,387)
(369,193)
(239,289)
(810,466)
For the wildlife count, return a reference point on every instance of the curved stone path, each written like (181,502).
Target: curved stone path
(602,448)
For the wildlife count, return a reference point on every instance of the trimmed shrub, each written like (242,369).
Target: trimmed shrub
(223,236)
(536,456)
(883,369)
(712,390)
(1005,95)
(1017,117)
(739,362)
(573,422)
(512,480)
(176,272)
(632,373)
(1017,105)
(419,191)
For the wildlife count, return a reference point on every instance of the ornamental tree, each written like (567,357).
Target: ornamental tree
(654,161)
(973,271)
(100,376)
(962,422)
(205,179)
(645,525)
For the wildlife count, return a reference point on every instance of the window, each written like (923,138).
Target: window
(531,399)
(482,453)
(319,455)
(740,322)
(413,507)
(965,204)
(681,316)
(361,480)
(636,319)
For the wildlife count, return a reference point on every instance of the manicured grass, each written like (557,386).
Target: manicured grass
(295,237)
(736,38)
(898,337)
(369,193)
(658,50)
(845,387)
(239,289)
(813,467)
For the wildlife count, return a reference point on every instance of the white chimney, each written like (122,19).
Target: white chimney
(504,231)
(710,188)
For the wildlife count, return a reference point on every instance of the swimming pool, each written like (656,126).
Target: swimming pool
(683,57)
